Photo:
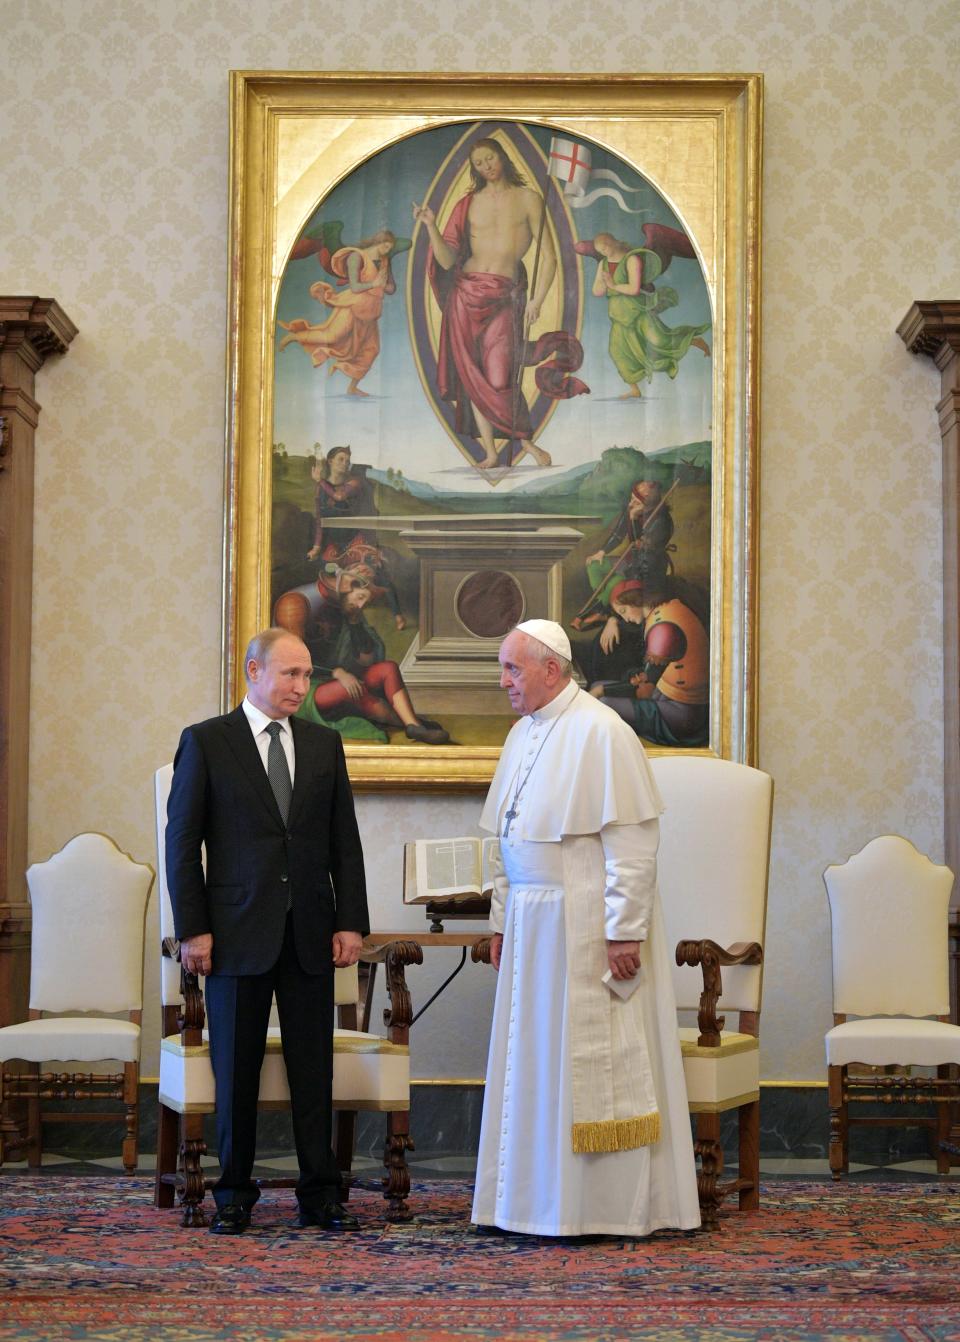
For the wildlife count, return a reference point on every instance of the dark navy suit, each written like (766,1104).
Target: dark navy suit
(272,897)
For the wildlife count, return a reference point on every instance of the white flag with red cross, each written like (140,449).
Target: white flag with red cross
(570,163)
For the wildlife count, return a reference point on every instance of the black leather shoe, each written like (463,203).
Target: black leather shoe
(329,1216)
(230,1220)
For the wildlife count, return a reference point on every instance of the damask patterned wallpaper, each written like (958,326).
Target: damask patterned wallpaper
(113,151)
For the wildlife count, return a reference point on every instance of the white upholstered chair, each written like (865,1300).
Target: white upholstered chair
(89,904)
(713,864)
(370,1072)
(889,922)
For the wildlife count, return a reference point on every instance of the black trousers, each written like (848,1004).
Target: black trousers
(238,1013)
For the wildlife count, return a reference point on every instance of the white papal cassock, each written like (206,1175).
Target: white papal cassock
(585,1125)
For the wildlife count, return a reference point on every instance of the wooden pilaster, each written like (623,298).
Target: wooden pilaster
(933,329)
(31,329)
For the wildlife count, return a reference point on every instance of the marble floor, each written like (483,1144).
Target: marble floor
(462,1167)
(450,1167)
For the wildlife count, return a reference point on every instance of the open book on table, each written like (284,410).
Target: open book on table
(448,869)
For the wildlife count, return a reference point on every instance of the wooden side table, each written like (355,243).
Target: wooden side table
(477,943)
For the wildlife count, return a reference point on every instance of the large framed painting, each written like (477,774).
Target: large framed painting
(493,348)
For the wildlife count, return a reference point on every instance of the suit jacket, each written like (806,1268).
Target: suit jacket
(255,865)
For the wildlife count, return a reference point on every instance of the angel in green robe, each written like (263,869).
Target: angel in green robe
(641,343)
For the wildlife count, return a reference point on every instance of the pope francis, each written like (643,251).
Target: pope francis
(585,1126)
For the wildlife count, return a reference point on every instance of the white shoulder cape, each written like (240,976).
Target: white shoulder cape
(591,771)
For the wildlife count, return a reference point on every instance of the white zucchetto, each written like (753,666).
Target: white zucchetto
(549,633)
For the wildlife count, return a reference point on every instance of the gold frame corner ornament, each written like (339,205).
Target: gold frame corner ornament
(277,118)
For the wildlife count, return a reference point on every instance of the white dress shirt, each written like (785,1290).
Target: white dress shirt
(259,722)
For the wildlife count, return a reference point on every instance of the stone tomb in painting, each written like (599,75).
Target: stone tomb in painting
(480,574)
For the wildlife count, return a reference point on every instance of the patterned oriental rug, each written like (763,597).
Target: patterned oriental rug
(85,1258)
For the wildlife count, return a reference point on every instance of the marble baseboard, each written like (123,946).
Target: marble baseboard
(445,1124)
(795,1125)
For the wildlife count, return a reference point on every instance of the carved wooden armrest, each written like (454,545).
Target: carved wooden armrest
(480,954)
(710,957)
(396,955)
(190,1017)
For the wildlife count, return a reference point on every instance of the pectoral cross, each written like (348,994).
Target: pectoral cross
(509,816)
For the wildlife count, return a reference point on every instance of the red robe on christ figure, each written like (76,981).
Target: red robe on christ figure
(482,346)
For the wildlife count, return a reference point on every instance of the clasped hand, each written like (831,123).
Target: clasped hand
(623,957)
(346,948)
(196,953)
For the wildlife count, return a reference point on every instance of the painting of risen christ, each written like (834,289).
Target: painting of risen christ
(491,304)
(530,434)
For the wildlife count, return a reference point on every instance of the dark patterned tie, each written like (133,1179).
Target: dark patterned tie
(277,771)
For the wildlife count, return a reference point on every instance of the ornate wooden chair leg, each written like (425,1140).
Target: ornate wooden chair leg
(749,1161)
(9,1133)
(942,1129)
(34,1121)
(131,1133)
(192,1147)
(838,1121)
(396,1183)
(345,1133)
(168,1141)
(707,1147)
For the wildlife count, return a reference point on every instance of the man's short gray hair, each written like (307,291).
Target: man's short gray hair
(541,653)
(260,646)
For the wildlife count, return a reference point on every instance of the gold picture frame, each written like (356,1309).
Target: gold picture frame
(296,139)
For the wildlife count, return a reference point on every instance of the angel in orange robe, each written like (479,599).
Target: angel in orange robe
(350,336)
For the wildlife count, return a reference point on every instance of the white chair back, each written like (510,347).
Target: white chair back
(712,866)
(346,984)
(888,915)
(89,907)
(169,969)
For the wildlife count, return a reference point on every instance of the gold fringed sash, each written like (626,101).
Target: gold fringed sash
(616,1134)
(614,1101)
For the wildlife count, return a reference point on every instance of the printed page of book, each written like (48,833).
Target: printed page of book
(447,867)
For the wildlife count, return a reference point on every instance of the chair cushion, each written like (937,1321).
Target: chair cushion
(368,1073)
(720,1078)
(886,1041)
(71,1039)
